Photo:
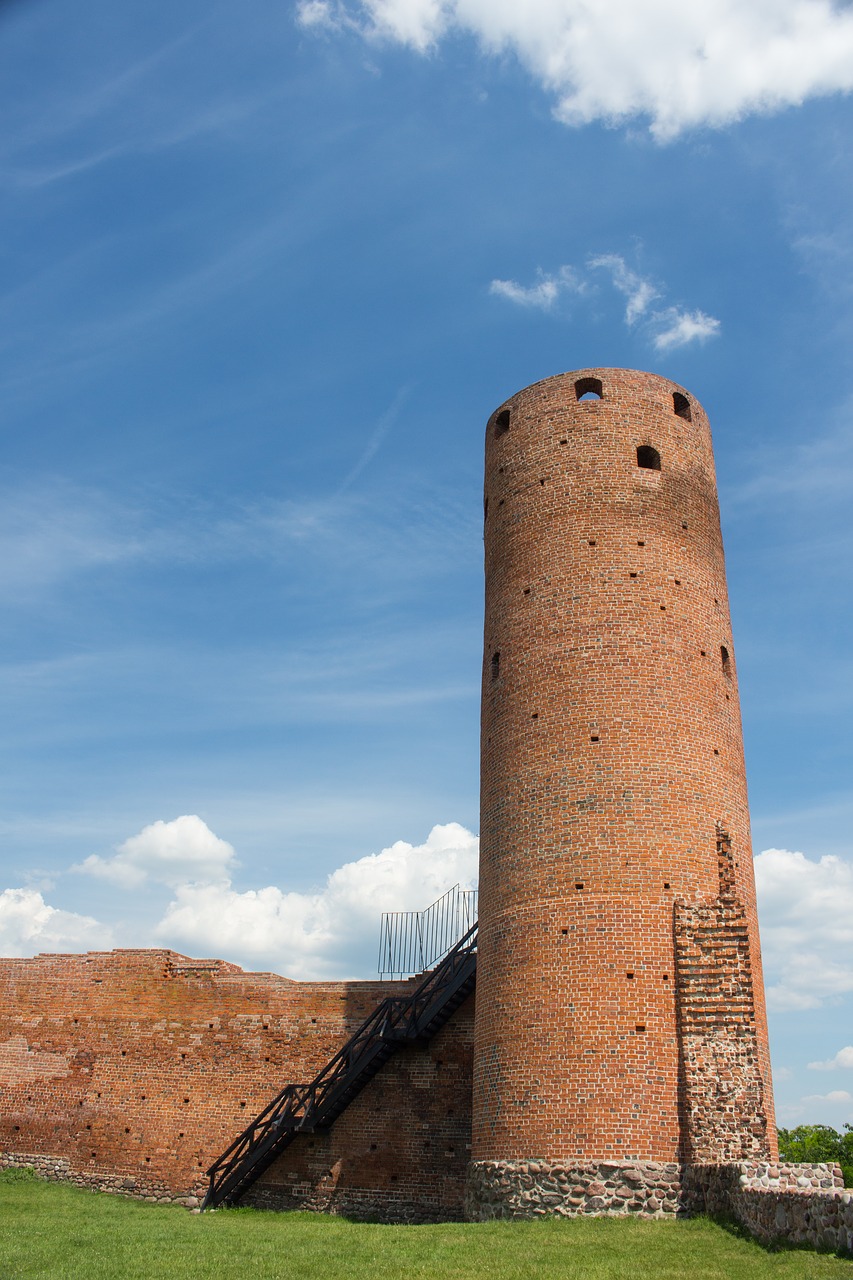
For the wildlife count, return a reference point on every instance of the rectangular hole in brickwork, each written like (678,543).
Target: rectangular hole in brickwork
(632,575)
(592,542)
(593,737)
(629,976)
(564,442)
(666,884)
(579,884)
(535,715)
(640,1026)
(641,544)
(564,931)
(666,977)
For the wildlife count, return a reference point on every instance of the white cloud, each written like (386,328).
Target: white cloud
(317,14)
(333,932)
(169,853)
(544,293)
(835,1095)
(843,1059)
(28,924)
(806,913)
(678,65)
(668,328)
(639,292)
(680,327)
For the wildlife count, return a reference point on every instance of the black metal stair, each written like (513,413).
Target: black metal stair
(302,1108)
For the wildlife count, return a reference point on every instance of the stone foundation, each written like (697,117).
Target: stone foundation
(777,1203)
(59,1169)
(793,1204)
(533,1188)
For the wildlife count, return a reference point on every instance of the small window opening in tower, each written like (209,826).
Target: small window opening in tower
(648,457)
(681,405)
(589,389)
(496,665)
(725,660)
(502,422)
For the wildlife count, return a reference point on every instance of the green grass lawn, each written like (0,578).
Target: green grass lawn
(57,1232)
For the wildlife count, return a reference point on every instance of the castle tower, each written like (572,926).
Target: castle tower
(620,1010)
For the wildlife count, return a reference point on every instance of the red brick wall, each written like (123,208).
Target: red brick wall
(611,748)
(400,1150)
(146,1065)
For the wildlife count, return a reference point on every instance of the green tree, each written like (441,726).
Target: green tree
(819,1144)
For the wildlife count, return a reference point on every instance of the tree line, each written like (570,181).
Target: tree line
(819,1144)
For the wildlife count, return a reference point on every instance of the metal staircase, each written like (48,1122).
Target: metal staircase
(303,1108)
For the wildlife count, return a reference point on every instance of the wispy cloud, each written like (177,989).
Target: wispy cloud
(666,328)
(376,437)
(676,328)
(677,66)
(543,293)
(639,292)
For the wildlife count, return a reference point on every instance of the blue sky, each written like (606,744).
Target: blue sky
(266,271)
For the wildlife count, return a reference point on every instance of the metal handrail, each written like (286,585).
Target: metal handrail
(412,941)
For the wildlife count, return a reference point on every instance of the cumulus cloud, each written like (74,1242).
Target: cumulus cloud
(677,65)
(668,328)
(806,912)
(332,932)
(843,1059)
(171,853)
(28,924)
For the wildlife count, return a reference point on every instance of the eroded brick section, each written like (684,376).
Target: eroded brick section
(138,1068)
(725,1117)
(611,749)
(399,1152)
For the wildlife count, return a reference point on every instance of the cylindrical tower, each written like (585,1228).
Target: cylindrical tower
(613,783)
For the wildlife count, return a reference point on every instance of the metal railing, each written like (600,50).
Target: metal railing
(412,941)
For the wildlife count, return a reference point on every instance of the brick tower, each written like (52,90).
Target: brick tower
(620,1028)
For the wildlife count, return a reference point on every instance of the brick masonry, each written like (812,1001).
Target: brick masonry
(616,976)
(133,1070)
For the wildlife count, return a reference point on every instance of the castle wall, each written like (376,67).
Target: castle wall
(611,751)
(400,1151)
(134,1070)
